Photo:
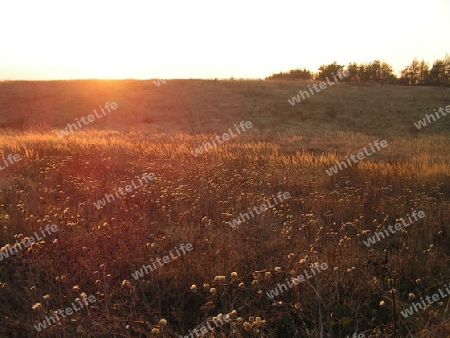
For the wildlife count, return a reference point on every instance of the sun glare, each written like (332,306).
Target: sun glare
(200,39)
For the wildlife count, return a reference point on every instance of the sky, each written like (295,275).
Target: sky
(49,39)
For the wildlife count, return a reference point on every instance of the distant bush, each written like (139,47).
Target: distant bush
(292,75)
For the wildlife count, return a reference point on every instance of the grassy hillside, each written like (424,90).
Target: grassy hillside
(193,106)
(58,180)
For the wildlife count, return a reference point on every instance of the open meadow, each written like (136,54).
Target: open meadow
(165,258)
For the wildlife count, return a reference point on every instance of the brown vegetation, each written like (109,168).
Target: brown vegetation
(193,199)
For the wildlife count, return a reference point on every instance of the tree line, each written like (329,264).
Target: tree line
(417,73)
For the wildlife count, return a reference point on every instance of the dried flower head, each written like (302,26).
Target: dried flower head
(36,306)
(126,283)
(219,279)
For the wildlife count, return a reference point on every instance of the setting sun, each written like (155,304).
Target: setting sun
(199,39)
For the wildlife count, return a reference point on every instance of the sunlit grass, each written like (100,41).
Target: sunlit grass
(192,200)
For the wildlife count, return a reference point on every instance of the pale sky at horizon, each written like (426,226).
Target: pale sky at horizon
(52,39)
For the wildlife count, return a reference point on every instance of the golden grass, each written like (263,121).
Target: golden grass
(194,198)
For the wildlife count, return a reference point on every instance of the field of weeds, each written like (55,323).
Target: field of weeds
(231,270)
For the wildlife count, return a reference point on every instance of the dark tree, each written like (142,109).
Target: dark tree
(327,71)
(437,77)
(353,70)
(415,73)
(376,71)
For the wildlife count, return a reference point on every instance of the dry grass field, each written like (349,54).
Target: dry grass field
(191,200)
